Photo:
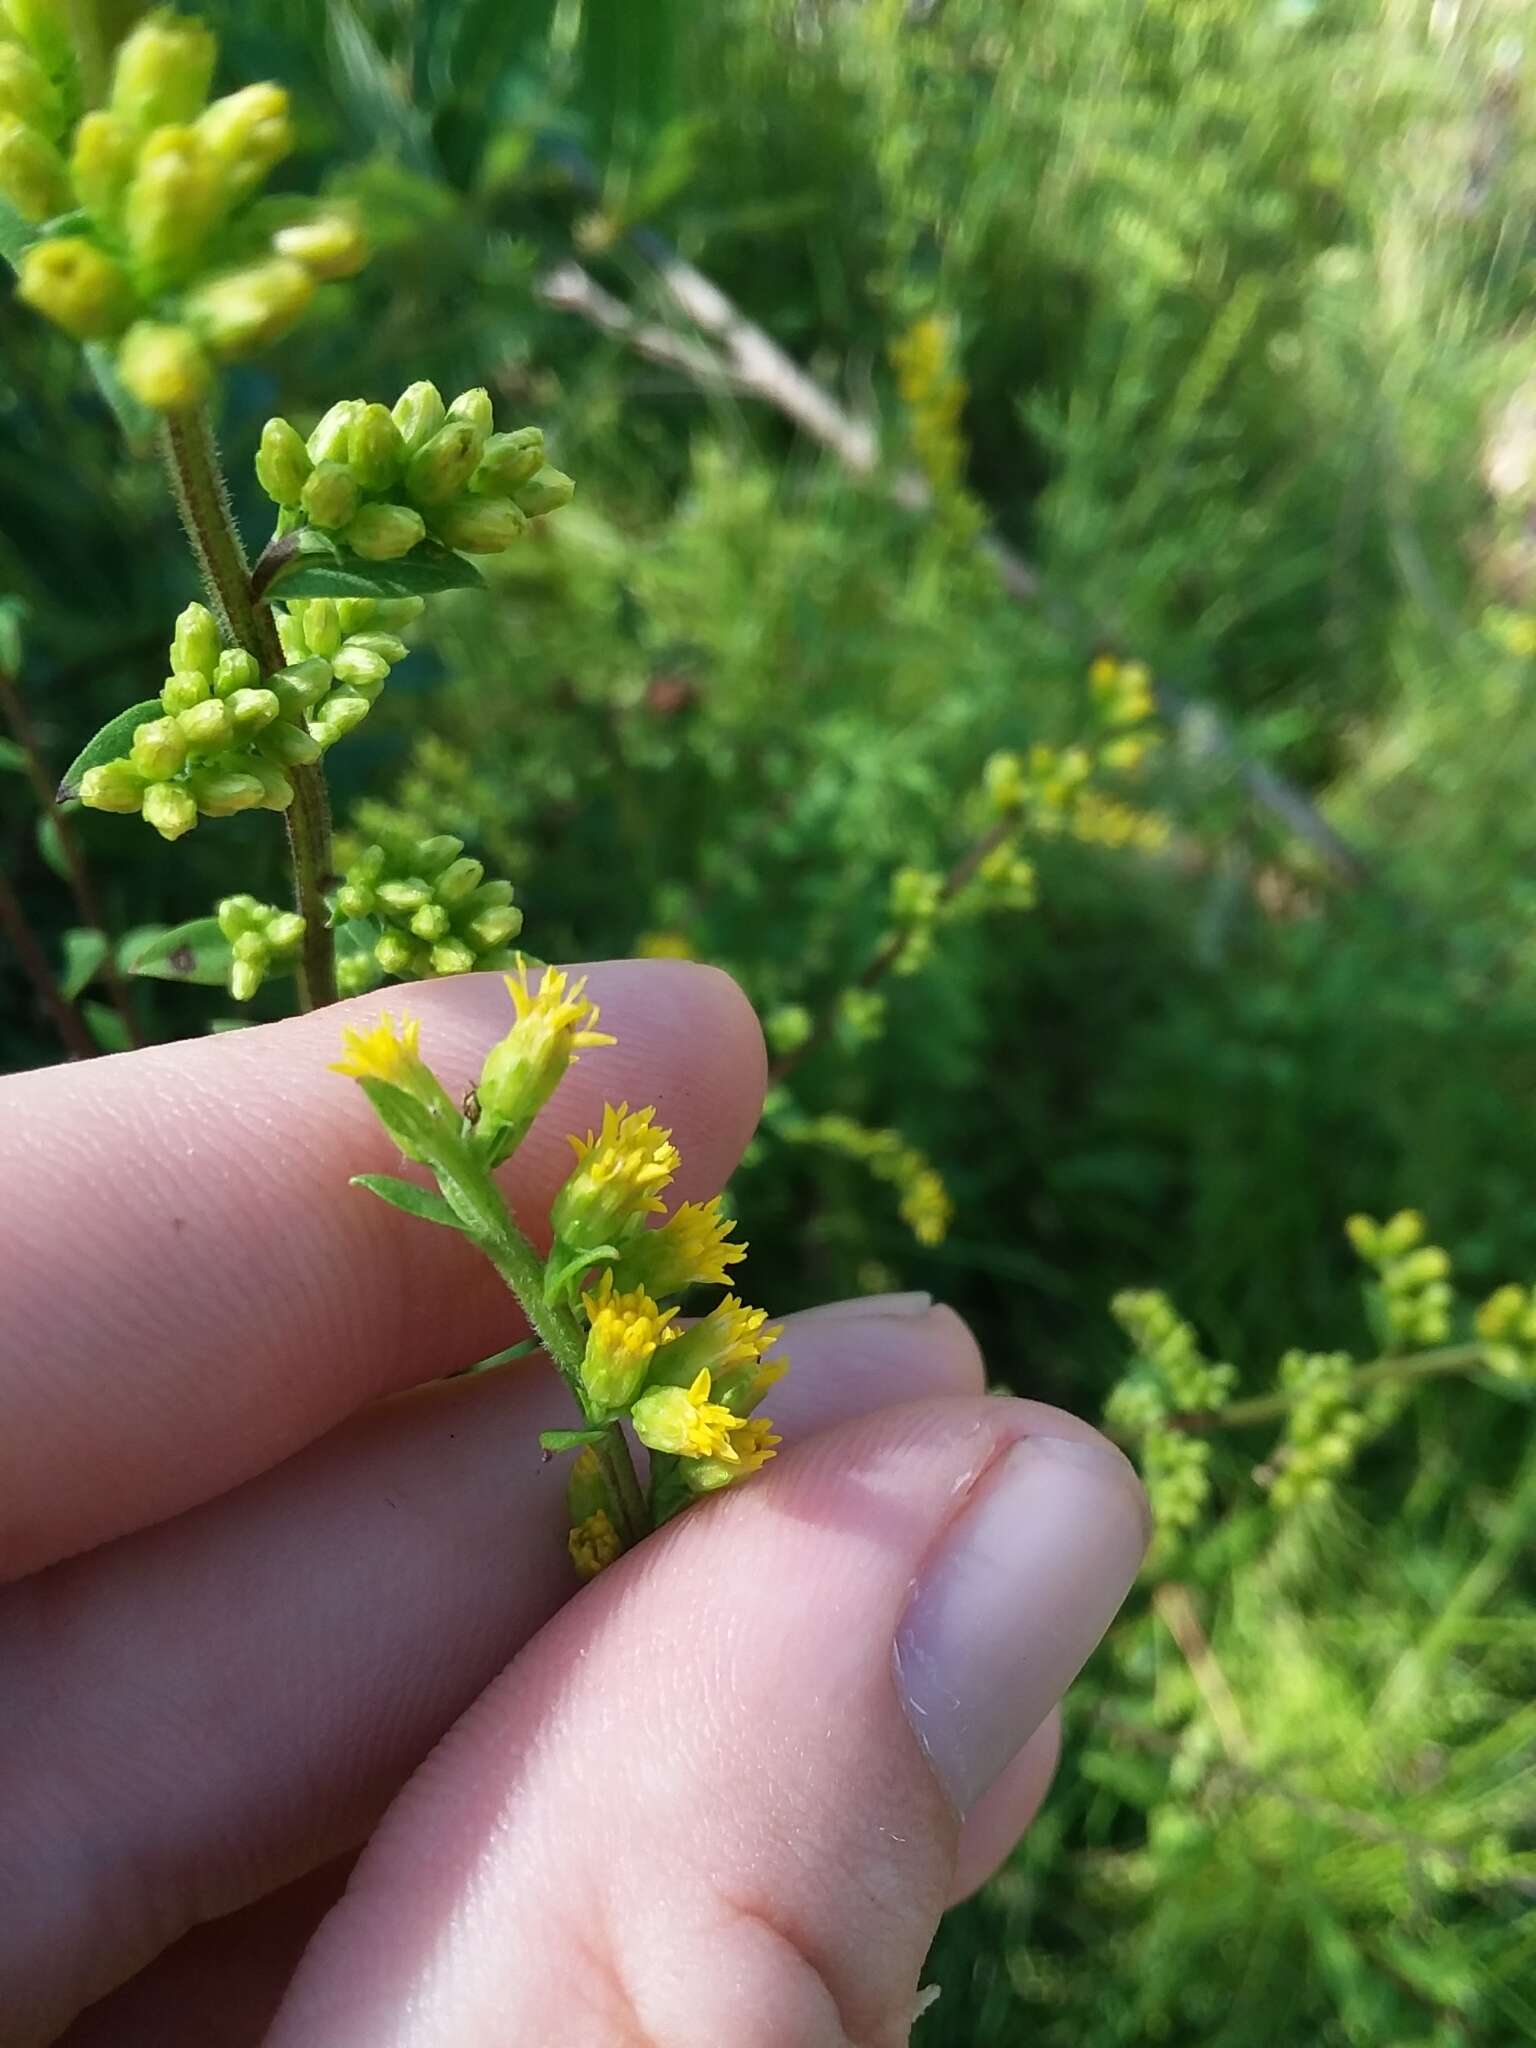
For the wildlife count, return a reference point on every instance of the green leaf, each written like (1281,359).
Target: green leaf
(135,939)
(12,612)
(110,744)
(570,1439)
(16,231)
(12,757)
(404,1194)
(51,846)
(105,1026)
(410,1123)
(427,569)
(522,1350)
(196,952)
(84,951)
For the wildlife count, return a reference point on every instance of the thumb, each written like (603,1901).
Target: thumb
(718,1798)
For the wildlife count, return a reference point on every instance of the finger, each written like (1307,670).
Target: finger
(696,1809)
(193,1289)
(1005,1810)
(198,1713)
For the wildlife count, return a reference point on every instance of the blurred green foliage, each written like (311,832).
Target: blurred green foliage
(1239,300)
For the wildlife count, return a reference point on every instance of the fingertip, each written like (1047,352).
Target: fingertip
(1003,1813)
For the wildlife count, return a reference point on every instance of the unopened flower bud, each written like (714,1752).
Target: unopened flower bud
(330,246)
(355,614)
(170,207)
(245,978)
(73,284)
(246,309)
(301,685)
(356,974)
(402,894)
(282,462)
(430,922)
(32,173)
(384,645)
(328,441)
(394,953)
(235,669)
(221,792)
(474,406)
(159,749)
(418,412)
(181,692)
(320,625)
(26,92)
(208,726)
(452,956)
(480,526)
(390,614)
(375,451)
(546,491)
(361,667)
(252,709)
(329,498)
(382,533)
(432,856)
(441,467)
(114,786)
(164,367)
(195,641)
(287,745)
(457,880)
(354,899)
(276,789)
(101,163)
(247,132)
(342,712)
(285,932)
(508,461)
(162,70)
(171,808)
(491,928)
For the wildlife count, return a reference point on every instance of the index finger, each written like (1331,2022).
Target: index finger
(190,1290)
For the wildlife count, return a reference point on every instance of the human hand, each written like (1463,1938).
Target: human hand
(259,1557)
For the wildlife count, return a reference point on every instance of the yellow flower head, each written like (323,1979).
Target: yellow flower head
(619,1174)
(728,1344)
(625,1331)
(388,1052)
(684,1421)
(754,1444)
(691,1249)
(593,1544)
(524,1069)
(664,945)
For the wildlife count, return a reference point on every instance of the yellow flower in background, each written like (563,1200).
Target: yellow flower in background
(665,945)
(593,1544)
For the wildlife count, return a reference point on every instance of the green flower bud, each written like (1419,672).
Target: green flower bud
(441,467)
(342,712)
(26,93)
(354,900)
(375,451)
(246,133)
(330,246)
(282,463)
(252,709)
(328,442)
(287,745)
(382,533)
(356,975)
(355,614)
(360,666)
(301,685)
(452,956)
(170,207)
(474,406)
(101,163)
(430,922)
(329,498)
(480,526)
(418,412)
(290,632)
(545,492)
(180,693)
(250,308)
(195,642)
(234,670)
(245,978)
(170,808)
(220,792)
(159,749)
(162,70)
(32,173)
(163,366)
(276,789)
(458,880)
(395,953)
(432,856)
(321,625)
(285,932)
(508,461)
(73,284)
(489,929)
(208,727)
(237,915)
(403,894)
(489,896)
(384,645)
(391,613)
(114,786)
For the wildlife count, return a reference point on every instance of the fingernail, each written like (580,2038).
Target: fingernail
(916,1304)
(1011,1601)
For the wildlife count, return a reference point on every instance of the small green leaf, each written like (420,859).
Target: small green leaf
(105,1026)
(51,846)
(196,952)
(409,1122)
(12,757)
(522,1350)
(135,939)
(404,1194)
(335,573)
(12,612)
(84,951)
(569,1439)
(110,744)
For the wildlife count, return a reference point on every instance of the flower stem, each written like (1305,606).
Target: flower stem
(1377,1372)
(197,483)
(625,1487)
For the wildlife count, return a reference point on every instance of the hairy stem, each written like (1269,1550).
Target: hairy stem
(197,483)
(613,1455)
(1378,1372)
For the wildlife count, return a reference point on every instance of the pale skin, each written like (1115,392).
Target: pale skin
(285,1612)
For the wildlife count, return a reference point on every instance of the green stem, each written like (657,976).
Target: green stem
(197,483)
(1378,1372)
(620,1469)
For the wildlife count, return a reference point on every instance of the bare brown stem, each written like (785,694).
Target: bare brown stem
(67,1021)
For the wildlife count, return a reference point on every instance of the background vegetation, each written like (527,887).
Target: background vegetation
(1216,314)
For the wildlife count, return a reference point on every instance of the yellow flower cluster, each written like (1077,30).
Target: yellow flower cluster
(553,1028)
(924,1203)
(934,395)
(151,235)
